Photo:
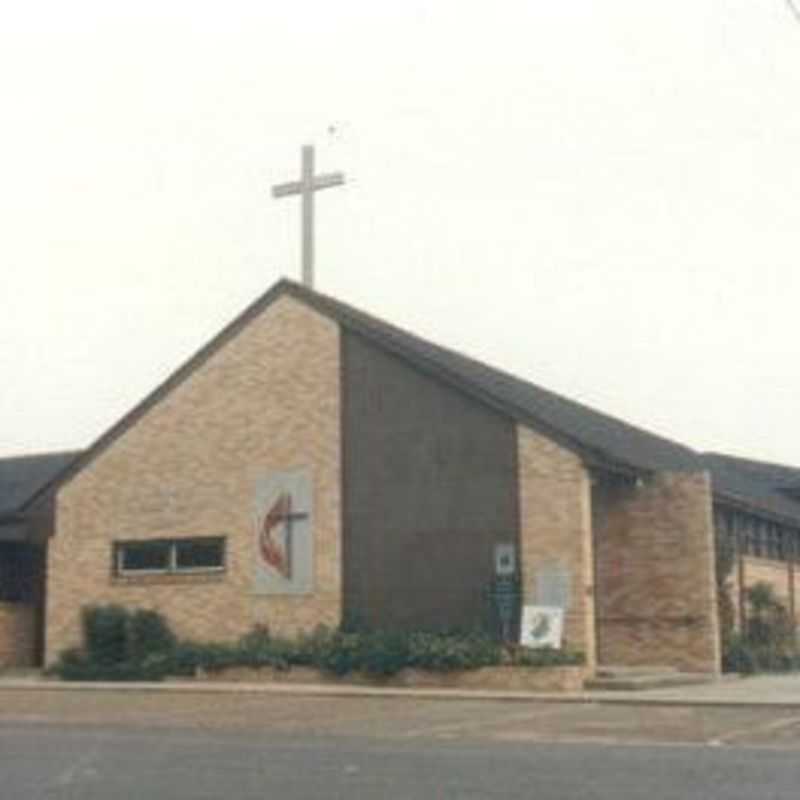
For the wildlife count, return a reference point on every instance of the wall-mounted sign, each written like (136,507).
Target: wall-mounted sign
(552,585)
(283,540)
(505,560)
(542,626)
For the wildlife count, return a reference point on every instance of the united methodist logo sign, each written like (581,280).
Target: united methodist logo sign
(283,540)
(275,539)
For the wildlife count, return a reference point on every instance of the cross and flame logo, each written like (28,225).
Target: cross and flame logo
(274,540)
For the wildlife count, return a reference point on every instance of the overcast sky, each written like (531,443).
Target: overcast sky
(601,197)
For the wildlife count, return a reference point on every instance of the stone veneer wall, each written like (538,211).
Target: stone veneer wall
(267,400)
(556,531)
(654,552)
(17,635)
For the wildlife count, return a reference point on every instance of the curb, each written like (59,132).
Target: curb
(639,698)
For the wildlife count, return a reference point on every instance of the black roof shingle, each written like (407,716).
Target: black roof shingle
(755,484)
(603,438)
(23,476)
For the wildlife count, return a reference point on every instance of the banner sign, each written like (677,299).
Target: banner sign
(542,626)
(283,540)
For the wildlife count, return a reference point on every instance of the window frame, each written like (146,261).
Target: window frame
(172,568)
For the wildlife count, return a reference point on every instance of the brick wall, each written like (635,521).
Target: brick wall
(777,574)
(654,554)
(267,400)
(556,532)
(733,583)
(773,572)
(17,635)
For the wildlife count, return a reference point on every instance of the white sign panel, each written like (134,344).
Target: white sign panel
(283,540)
(542,626)
(505,559)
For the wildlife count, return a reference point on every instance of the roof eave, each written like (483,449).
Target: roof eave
(743,504)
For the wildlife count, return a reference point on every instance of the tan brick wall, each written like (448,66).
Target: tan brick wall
(776,574)
(555,529)
(733,584)
(773,572)
(17,635)
(654,552)
(796,581)
(268,400)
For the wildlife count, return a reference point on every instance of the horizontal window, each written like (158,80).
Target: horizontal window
(168,556)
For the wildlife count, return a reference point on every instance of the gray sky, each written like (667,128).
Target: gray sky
(601,197)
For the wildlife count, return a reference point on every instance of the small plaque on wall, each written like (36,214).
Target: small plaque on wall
(505,560)
(283,536)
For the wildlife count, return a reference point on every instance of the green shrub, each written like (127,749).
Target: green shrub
(767,643)
(338,653)
(215,656)
(384,652)
(148,634)
(448,652)
(545,657)
(260,649)
(121,645)
(105,631)
(187,657)
(74,665)
(71,665)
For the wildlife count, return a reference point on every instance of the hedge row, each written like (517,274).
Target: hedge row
(139,645)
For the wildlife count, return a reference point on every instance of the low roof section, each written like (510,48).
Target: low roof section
(21,477)
(760,487)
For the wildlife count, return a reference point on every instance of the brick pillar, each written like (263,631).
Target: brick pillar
(556,531)
(656,591)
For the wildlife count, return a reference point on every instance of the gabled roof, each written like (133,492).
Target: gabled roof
(23,476)
(755,484)
(603,441)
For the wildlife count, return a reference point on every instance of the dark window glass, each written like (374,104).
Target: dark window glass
(758,539)
(779,544)
(17,573)
(774,542)
(144,556)
(199,554)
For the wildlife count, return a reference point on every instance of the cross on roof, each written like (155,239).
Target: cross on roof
(305,187)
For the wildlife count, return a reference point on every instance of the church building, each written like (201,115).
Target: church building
(315,465)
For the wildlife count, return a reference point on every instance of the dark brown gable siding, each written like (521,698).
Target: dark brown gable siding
(429,488)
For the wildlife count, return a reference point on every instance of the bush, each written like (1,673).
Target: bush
(105,632)
(545,657)
(120,645)
(384,652)
(149,634)
(767,643)
(448,652)
(338,653)
(75,665)
(259,649)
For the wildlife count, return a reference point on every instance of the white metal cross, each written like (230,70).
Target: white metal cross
(305,187)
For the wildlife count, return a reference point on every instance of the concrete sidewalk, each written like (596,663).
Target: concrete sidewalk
(778,691)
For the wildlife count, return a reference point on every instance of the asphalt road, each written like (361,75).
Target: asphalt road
(56,746)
